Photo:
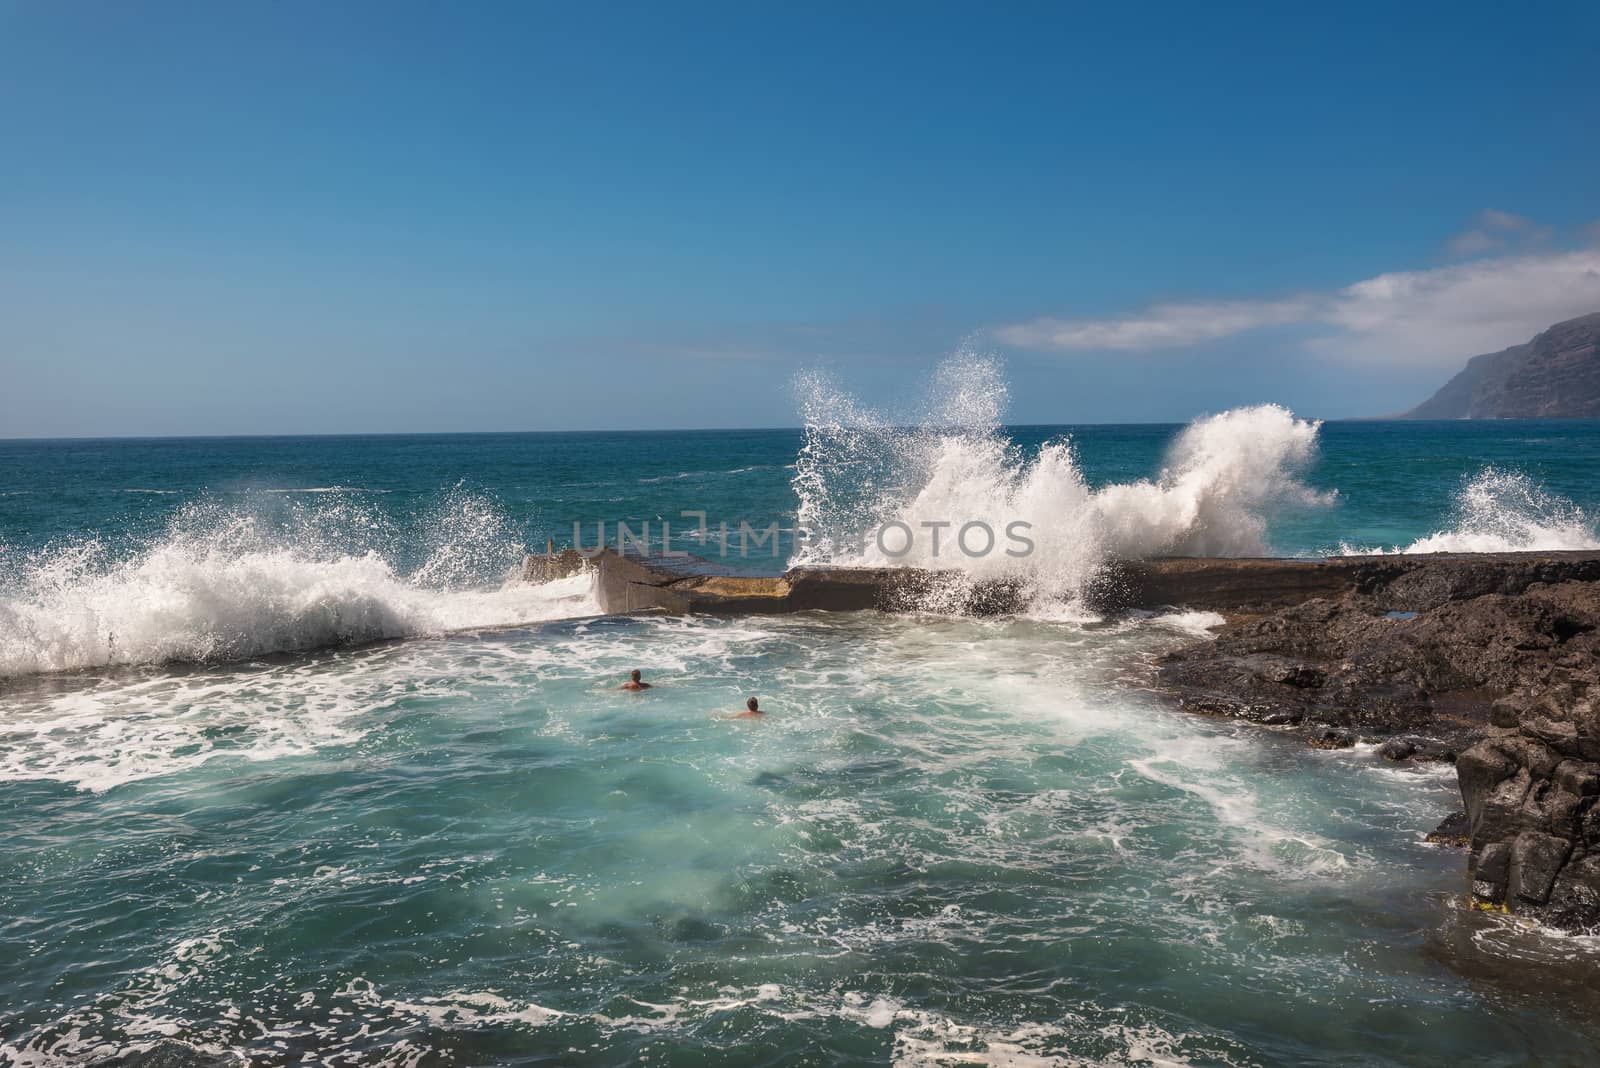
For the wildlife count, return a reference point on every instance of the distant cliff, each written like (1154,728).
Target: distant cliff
(1554,376)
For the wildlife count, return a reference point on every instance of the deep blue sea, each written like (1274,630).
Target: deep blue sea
(295,769)
(1395,482)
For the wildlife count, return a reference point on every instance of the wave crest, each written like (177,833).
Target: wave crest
(1501,511)
(224,584)
(951,465)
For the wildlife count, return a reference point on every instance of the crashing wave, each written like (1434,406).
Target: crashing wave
(225,584)
(1505,511)
(875,491)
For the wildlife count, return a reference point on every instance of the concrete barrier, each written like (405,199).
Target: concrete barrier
(1231,586)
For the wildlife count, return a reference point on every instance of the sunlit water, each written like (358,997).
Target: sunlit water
(946,838)
(242,823)
(948,841)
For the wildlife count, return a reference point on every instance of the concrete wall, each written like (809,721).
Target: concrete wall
(1230,586)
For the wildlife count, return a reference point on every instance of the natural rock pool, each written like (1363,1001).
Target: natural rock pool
(949,842)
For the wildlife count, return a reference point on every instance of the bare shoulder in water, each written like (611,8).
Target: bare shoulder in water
(752,710)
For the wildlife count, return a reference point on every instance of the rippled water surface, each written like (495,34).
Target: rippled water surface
(948,842)
(295,769)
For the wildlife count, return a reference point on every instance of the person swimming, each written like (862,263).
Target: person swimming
(752,710)
(633,682)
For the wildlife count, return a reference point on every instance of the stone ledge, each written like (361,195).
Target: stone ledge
(1231,586)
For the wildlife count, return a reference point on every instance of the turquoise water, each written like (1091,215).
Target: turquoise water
(239,830)
(1395,482)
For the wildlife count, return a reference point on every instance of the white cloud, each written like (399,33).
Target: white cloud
(1420,318)
(1497,230)
(1504,220)
(1473,243)
(1159,326)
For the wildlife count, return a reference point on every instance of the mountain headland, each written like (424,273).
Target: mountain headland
(1556,375)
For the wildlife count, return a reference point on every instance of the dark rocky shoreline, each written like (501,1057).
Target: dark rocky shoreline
(1493,664)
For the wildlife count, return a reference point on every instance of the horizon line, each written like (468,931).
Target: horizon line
(268,435)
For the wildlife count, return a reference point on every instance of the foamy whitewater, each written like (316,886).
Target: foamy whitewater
(240,828)
(1505,511)
(873,488)
(229,576)
(222,585)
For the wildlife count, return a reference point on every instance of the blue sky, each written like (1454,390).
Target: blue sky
(414,217)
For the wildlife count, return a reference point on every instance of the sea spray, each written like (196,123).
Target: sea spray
(863,474)
(1499,511)
(468,541)
(1224,477)
(221,583)
(1506,511)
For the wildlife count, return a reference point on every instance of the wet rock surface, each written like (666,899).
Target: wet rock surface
(1500,667)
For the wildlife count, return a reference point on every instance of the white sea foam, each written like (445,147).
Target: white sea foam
(949,463)
(223,585)
(1045,777)
(1505,511)
(1199,624)
(323,489)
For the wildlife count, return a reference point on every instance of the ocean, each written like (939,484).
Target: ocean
(296,770)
